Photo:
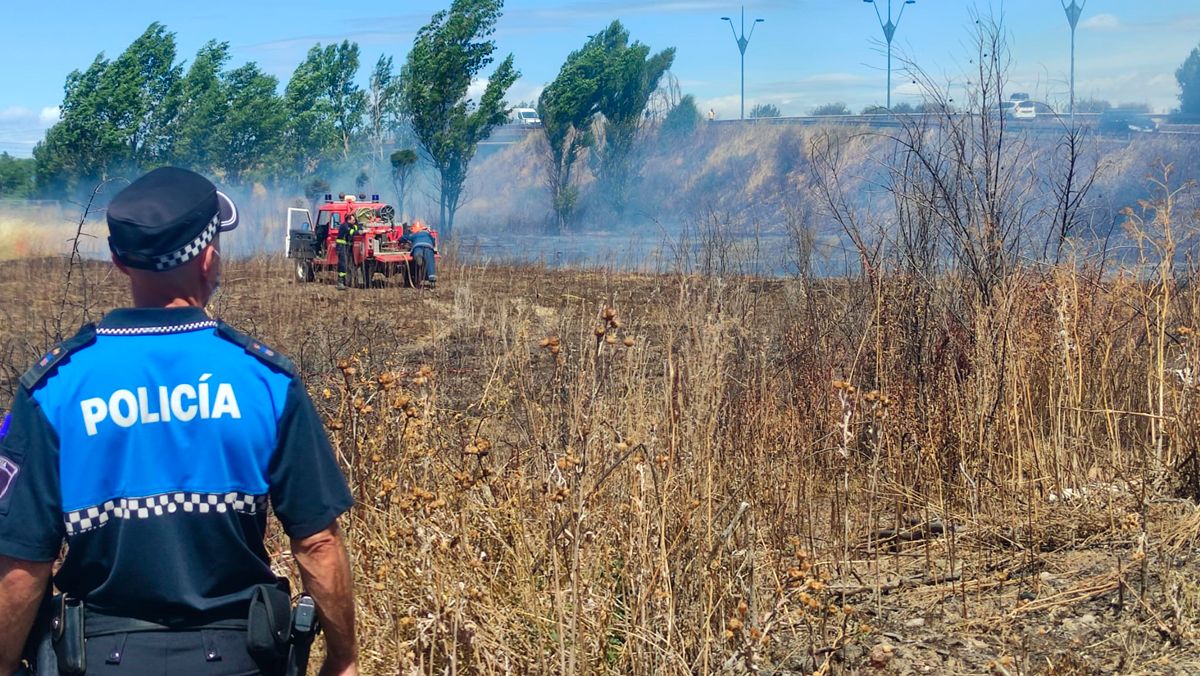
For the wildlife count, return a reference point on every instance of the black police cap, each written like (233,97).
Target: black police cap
(166,218)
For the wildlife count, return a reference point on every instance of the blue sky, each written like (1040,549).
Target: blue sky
(807,52)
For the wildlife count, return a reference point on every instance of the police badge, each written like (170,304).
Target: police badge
(8,472)
(8,468)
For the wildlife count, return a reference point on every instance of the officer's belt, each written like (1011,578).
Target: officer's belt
(339,241)
(99,624)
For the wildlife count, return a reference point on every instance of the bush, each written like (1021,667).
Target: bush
(764,110)
(838,108)
(683,119)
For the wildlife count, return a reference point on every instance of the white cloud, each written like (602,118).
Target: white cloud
(726,107)
(1102,22)
(524,91)
(477,88)
(21,128)
(16,114)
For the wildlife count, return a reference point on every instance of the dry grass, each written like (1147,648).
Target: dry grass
(574,472)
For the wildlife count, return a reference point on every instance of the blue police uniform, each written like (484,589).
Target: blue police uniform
(153,444)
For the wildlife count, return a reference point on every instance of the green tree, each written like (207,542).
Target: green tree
(347,99)
(383,106)
(16,176)
(404,163)
(201,103)
(324,107)
(683,119)
(84,142)
(764,110)
(115,116)
(631,77)
(447,55)
(568,107)
(139,86)
(831,109)
(253,126)
(1188,76)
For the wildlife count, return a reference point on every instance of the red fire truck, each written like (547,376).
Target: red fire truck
(376,248)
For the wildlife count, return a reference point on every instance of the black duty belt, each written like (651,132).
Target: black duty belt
(99,624)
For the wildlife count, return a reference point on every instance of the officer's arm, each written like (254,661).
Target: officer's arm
(22,585)
(325,570)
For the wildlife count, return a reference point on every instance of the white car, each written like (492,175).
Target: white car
(1024,110)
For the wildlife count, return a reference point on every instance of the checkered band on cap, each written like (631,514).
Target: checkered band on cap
(91,518)
(191,250)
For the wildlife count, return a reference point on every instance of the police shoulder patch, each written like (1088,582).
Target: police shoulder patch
(44,366)
(256,348)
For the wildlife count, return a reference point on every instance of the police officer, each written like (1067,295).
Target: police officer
(345,235)
(153,443)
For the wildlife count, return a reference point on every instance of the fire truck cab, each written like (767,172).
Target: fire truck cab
(374,248)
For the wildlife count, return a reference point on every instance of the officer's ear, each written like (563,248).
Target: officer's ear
(210,262)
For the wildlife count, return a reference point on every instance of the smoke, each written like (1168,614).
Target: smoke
(726,185)
(750,181)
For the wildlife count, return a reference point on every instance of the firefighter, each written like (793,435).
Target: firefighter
(423,246)
(152,443)
(345,235)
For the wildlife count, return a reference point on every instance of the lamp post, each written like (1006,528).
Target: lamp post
(889,32)
(1074,11)
(743,41)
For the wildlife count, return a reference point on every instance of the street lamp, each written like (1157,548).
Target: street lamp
(743,41)
(1074,11)
(889,32)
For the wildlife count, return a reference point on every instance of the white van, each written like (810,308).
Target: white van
(526,117)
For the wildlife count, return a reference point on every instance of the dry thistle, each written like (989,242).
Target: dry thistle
(628,341)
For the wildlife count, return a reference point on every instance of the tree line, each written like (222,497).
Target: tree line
(144,108)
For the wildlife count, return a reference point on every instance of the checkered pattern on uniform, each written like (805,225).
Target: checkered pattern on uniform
(191,250)
(91,518)
(148,330)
